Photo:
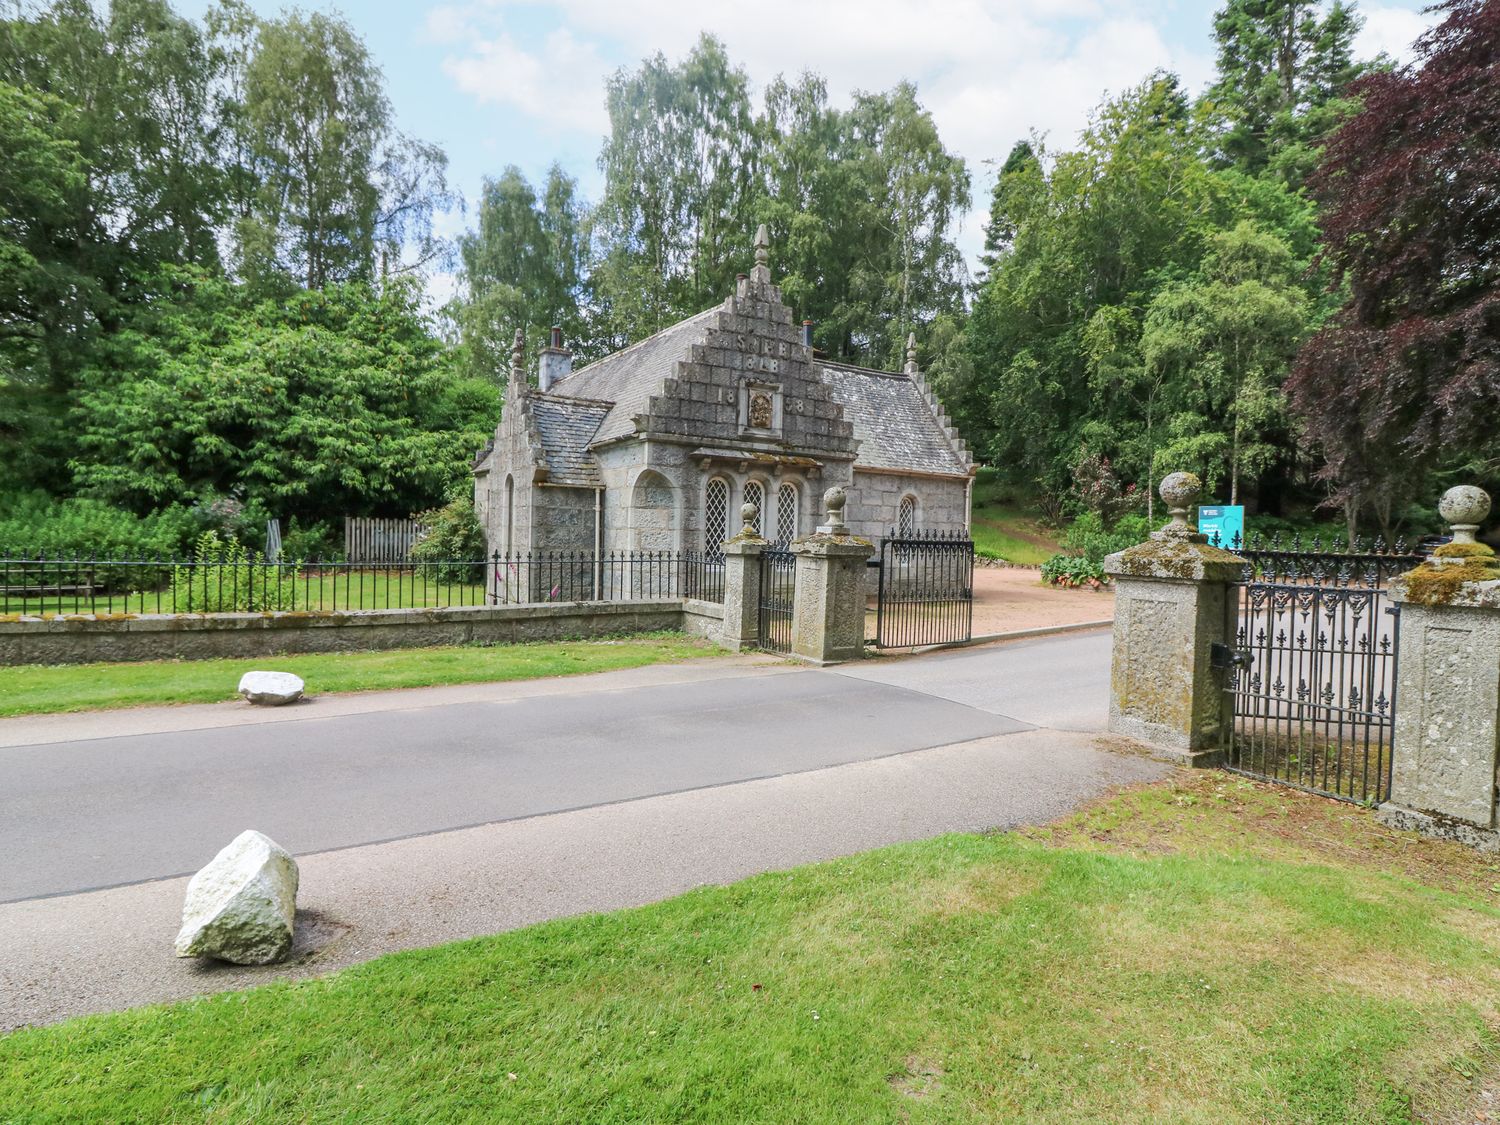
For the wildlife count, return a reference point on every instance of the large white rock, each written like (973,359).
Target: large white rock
(271,688)
(242,906)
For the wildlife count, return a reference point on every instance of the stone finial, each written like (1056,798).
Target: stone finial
(834,502)
(763,246)
(1180,491)
(748,512)
(1464,507)
(518,357)
(911,353)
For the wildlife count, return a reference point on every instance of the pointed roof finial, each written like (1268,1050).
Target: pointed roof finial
(911,353)
(517,357)
(763,246)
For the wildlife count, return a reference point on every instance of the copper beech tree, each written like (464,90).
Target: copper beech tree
(1405,377)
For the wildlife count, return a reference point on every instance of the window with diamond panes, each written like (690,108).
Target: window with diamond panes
(715,516)
(786,513)
(906,516)
(755,494)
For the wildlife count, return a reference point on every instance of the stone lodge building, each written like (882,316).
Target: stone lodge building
(657,446)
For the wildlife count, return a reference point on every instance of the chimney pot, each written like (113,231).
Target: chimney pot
(807,327)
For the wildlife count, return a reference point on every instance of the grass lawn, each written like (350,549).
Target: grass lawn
(1004,529)
(33,689)
(1206,950)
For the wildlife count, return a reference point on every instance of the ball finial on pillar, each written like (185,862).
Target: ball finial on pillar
(748,514)
(834,502)
(1180,491)
(1464,507)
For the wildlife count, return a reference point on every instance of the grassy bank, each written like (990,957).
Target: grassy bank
(35,689)
(1209,950)
(1005,529)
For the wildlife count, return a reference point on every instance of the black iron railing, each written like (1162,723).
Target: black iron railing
(527,577)
(926,589)
(1367,562)
(1313,681)
(241,581)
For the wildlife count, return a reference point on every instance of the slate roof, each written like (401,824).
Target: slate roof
(567,426)
(895,426)
(629,377)
(892,417)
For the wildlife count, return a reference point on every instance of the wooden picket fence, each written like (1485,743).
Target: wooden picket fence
(369,540)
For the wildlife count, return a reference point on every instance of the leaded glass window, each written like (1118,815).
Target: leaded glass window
(786,513)
(715,516)
(755,494)
(906,517)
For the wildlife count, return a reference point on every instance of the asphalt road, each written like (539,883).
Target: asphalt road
(108,811)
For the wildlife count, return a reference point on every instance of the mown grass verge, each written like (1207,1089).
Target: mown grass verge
(33,689)
(1209,950)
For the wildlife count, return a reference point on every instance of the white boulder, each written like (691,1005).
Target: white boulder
(243,905)
(273,689)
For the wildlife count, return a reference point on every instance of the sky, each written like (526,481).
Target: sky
(501,82)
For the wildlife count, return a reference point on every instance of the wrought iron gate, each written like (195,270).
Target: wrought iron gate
(1312,678)
(926,592)
(778,585)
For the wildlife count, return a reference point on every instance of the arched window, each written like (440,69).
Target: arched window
(756,494)
(510,514)
(906,517)
(786,513)
(715,516)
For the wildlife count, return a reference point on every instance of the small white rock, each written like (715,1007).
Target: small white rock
(242,907)
(272,689)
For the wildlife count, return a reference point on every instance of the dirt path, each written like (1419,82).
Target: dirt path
(1009,598)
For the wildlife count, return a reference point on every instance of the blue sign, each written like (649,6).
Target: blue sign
(1224,524)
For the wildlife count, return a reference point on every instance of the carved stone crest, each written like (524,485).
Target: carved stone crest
(761,412)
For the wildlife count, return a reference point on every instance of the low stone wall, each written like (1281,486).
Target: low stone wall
(82,639)
(702,619)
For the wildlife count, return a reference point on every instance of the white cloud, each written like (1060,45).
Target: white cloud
(1391,30)
(560,84)
(989,70)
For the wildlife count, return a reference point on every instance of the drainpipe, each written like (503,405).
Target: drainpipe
(598,543)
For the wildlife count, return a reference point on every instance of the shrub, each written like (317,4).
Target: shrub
(453,546)
(1086,536)
(34,523)
(1074,571)
(225,577)
(311,541)
(1096,489)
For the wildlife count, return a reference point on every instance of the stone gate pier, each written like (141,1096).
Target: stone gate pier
(1174,601)
(1446,750)
(828,616)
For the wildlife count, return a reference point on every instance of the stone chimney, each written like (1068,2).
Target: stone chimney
(556,361)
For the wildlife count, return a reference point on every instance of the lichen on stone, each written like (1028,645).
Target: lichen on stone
(1463,551)
(1431,584)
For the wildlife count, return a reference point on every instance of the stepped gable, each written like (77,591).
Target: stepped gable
(750,340)
(625,380)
